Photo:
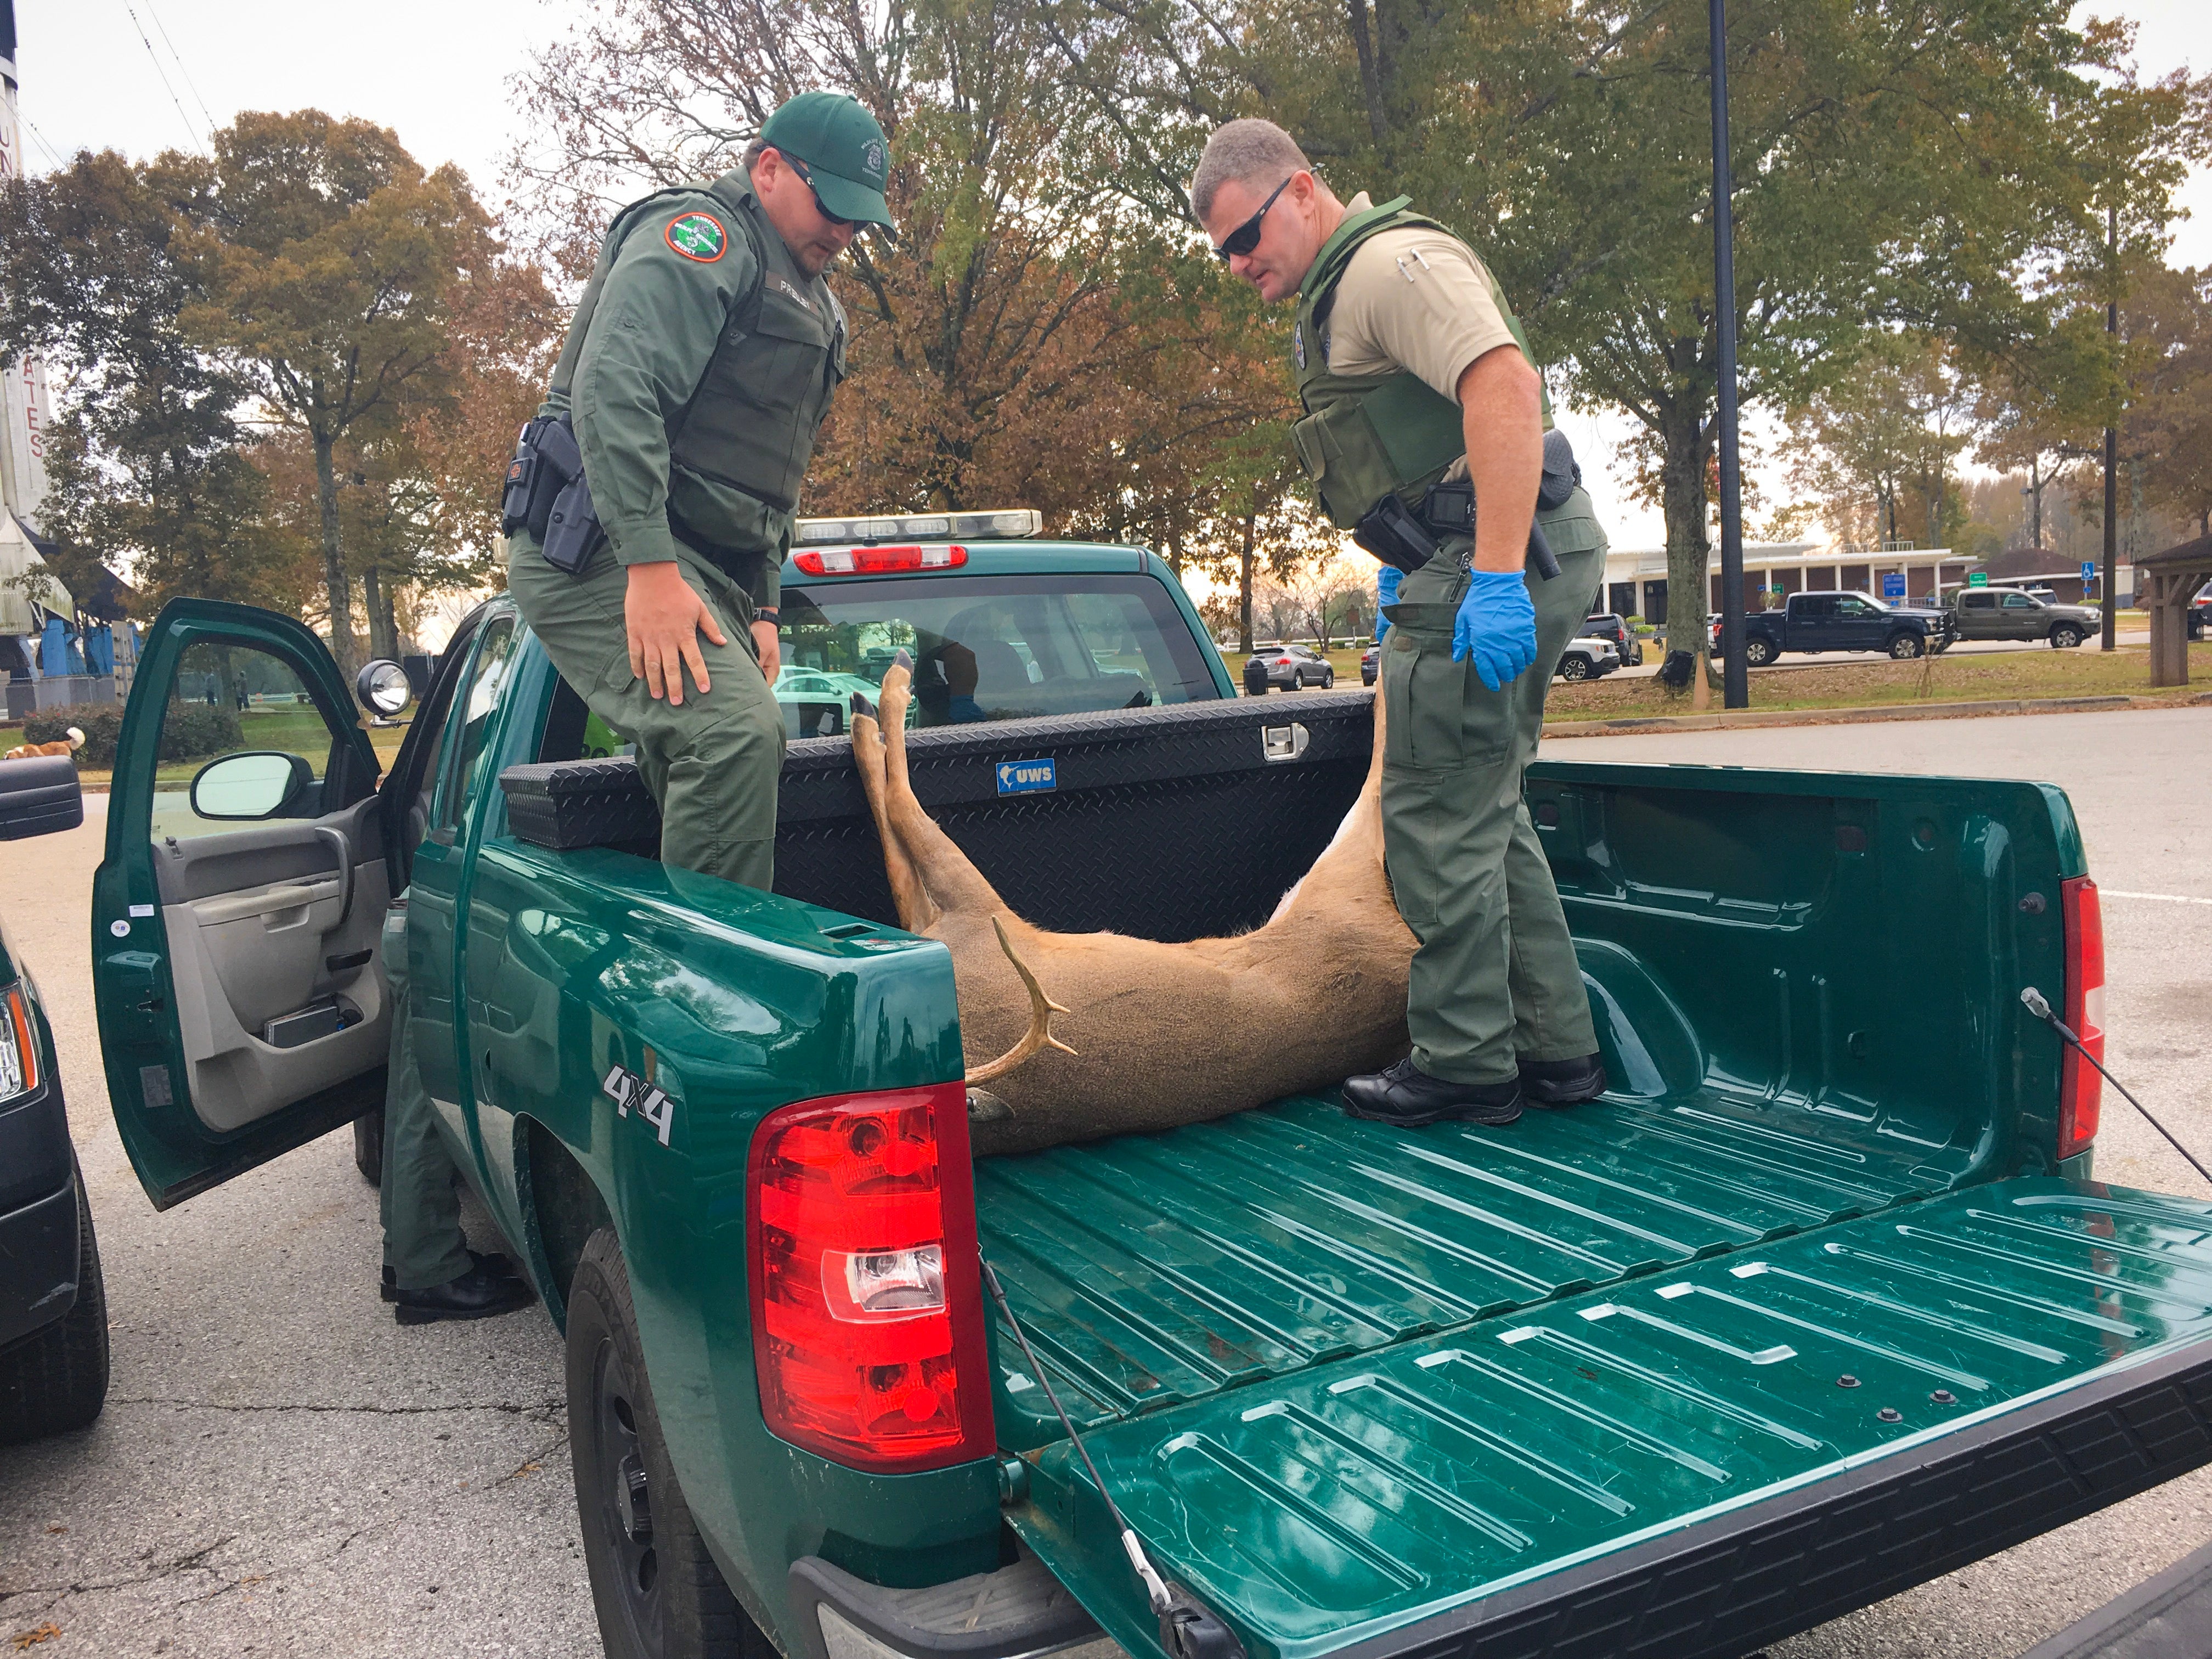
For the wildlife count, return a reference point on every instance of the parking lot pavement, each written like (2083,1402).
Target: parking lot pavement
(283,1471)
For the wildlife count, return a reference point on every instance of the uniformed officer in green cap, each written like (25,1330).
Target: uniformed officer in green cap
(1417,384)
(696,372)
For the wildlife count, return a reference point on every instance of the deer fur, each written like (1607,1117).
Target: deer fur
(1101,1034)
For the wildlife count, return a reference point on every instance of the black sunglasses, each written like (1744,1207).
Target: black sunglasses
(799,167)
(1246,236)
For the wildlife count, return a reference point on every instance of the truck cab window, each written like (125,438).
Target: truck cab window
(987,648)
(233,700)
(478,700)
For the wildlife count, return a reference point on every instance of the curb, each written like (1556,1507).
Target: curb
(1932,711)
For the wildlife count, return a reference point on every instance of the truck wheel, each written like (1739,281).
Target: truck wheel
(1904,646)
(1574,668)
(368,1145)
(2065,637)
(56,1379)
(1759,653)
(657,1592)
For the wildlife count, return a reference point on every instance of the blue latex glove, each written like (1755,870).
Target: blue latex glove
(1498,623)
(1386,592)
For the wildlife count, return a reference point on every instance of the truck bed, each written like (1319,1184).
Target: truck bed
(1152,1270)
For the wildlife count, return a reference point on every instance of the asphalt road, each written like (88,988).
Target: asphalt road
(282,1470)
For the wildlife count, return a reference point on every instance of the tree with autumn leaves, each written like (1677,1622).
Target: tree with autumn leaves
(293,370)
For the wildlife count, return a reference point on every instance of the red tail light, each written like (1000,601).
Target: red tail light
(2080,1087)
(878,560)
(867,1306)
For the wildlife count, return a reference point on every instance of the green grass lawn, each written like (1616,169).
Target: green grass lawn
(1871,681)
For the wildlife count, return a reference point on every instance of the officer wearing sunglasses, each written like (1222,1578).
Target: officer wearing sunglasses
(697,374)
(1424,432)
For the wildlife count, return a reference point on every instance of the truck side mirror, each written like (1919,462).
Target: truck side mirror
(39,796)
(383,688)
(252,785)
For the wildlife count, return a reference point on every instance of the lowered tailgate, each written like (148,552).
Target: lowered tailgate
(1695,1460)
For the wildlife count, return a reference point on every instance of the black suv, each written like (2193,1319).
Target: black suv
(1612,625)
(53,1309)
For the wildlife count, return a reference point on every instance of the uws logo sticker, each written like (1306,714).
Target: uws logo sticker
(1024,777)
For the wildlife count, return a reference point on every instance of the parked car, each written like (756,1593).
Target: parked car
(1587,660)
(2200,613)
(1814,622)
(1781,1326)
(53,1304)
(1294,667)
(2009,613)
(1612,625)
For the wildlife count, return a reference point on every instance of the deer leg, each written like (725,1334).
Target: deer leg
(916,913)
(949,880)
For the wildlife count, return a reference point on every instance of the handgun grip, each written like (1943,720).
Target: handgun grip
(1540,553)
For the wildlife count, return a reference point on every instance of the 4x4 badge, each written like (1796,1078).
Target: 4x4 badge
(697,236)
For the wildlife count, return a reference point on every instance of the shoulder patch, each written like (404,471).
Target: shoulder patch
(697,236)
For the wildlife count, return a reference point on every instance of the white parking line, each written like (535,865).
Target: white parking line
(2163,898)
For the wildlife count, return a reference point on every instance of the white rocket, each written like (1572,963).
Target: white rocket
(23,400)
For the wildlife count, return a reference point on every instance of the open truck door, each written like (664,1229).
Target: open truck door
(237,915)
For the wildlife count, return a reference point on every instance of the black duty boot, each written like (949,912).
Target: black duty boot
(490,1261)
(1407,1096)
(475,1294)
(1562,1082)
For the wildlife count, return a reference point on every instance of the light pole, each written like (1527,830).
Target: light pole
(1735,683)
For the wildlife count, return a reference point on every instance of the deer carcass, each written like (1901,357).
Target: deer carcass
(1101,1034)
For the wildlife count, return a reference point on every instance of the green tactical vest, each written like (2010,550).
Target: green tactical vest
(751,424)
(1363,437)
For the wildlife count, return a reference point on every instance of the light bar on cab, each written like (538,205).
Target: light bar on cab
(878,560)
(998,525)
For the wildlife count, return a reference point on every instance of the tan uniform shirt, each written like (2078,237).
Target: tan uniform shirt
(1417,299)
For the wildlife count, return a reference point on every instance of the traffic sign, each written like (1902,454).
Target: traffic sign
(1892,585)
(1977,579)
(2089,570)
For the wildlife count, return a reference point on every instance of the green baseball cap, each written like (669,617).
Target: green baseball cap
(843,148)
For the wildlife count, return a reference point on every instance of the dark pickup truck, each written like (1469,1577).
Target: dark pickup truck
(1821,1300)
(1843,622)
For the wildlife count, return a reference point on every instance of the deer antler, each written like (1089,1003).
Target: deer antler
(1039,1036)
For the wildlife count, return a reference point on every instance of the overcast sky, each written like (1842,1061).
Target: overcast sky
(143,75)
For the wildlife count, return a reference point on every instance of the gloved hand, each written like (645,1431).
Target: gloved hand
(1386,592)
(1498,623)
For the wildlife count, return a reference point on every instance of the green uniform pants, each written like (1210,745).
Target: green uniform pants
(711,762)
(1494,981)
(423,1245)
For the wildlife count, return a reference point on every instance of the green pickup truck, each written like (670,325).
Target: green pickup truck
(1820,1301)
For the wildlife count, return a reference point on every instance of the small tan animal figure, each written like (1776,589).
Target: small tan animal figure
(1100,1034)
(74,742)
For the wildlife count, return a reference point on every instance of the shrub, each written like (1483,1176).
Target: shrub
(101,724)
(189,730)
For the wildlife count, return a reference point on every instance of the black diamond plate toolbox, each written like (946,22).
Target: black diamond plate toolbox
(1171,823)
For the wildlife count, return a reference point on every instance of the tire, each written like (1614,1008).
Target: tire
(56,1380)
(1759,653)
(661,1596)
(1574,668)
(1904,646)
(1329,680)
(2065,637)
(368,1145)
